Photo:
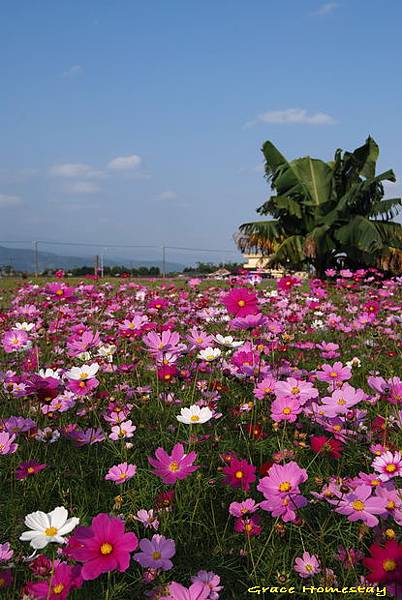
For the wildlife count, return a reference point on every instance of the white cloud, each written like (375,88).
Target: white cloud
(125,163)
(326,9)
(74,71)
(292,116)
(6,200)
(168,195)
(74,170)
(83,187)
(70,170)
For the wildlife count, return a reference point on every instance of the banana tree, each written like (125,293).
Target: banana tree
(324,210)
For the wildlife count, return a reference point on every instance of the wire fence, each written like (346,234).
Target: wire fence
(38,256)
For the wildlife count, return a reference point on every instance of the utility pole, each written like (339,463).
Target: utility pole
(36,252)
(163,261)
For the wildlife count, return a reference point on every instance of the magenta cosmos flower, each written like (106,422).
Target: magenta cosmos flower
(388,465)
(64,579)
(156,553)
(285,409)
(360,505)
(102,547)
(28,468)
(171,467)
(196,591)
(239,473)
(307,566)
(121,473)
(241,302)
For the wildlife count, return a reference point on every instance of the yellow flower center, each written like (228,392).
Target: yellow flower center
(375,482)
(241,303)
(341,402)
(358,505)
(50,531)
(390,468)
(106,548)
(295,390)
(59,292)
(30,470)
(174,466)
(239,474)
(58,588)
(122,476)
(248,527)
(199,340)
(267,390)
(309,568)
(391,505)
(333,374)
(390,534)
(286,411)
(2,582)
(285,486)
(389,565)
(194,418)
(156,555)
(83,375)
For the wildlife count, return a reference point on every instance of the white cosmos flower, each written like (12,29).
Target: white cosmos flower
(45,373)
(24,326)
(194,414)
(45,528)
(84,372)
(227,341)
(355,362)
(209,354)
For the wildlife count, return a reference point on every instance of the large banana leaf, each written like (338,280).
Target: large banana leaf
(290,250)
(388,209)
(316,177)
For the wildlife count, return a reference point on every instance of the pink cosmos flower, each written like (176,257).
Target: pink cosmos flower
(239,509)
(147,518)
(295,388)
(388,465)
(82,387)
(335,373)
(121,473)
(250,525)
(102,547)
(177,465)
(14,340)
(29,468)
(342,400)
(307,566)
(239,473)
(240,302)
(196,591)
(285,409)
(123,430)
(360,505)
(282,480)
(285,284)
(6,553)
(64,579)
(156,553)
(284,506)
(166,342)
(7,445)
(210,579)
(265,387)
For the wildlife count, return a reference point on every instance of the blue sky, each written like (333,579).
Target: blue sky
(141,121)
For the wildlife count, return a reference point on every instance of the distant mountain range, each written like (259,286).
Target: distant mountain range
(22,259)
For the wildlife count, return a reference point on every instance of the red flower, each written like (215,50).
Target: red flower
(239,474)
(167,373)
(265,467)
(320,443)
(27,469)
(385,564)
(256,432)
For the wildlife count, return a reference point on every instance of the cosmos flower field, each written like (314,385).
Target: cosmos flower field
(196,441)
